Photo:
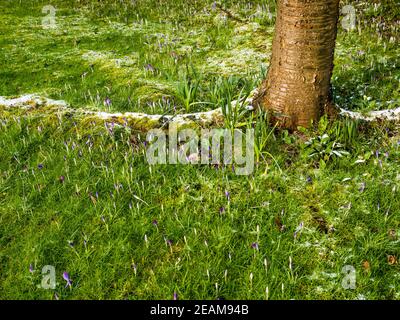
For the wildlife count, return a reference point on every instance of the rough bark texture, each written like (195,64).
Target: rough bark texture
(297,88)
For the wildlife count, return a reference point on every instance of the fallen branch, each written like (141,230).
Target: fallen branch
(230,14)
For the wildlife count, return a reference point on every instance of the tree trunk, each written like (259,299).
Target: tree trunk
(297,88)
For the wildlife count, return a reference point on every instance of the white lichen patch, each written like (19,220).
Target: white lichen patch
(235,61)
(29,100)
(110,58)
(246,28)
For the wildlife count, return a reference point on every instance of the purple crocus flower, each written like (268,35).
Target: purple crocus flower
(221,210)
(67,278)
(31,270)
(107,102)
(62,179)
(299,228)
(40,166)
(175,296)
(155,223)
(254,245)
(309,180)
(227,195)
(150,68)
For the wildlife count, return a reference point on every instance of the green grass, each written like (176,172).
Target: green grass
(83,199)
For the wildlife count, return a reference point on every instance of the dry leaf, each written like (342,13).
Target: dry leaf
(392,260)
(392,234)
(93,199)
(279,224)
(366,266)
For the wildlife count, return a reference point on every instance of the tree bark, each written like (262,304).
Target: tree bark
(297,87)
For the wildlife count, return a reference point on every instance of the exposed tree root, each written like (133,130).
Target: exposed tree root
(381,115)
(142,121)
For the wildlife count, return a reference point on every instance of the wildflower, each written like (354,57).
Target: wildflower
(67,278)
(221,210)
(155,223)
(227,195)
(31,270)
(107,102)
(134,267)
(175,296)
(150,68)
(62,179)
(40,166)
(298,229)
(254,245)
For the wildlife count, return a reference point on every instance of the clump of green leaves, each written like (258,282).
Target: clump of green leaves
(333,140)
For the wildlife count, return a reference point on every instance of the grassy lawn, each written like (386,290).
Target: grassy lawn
(81,197)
